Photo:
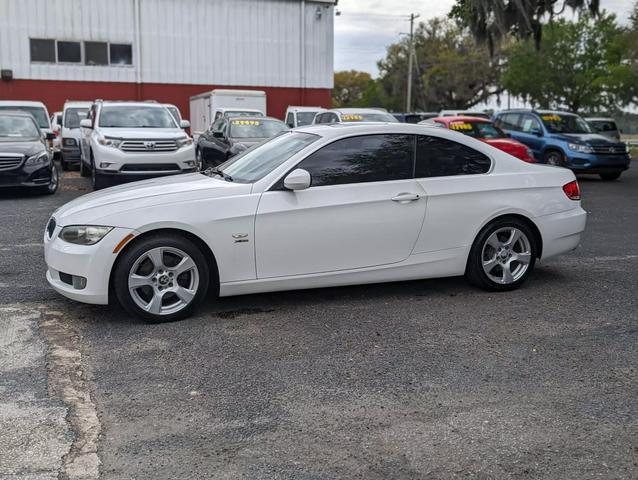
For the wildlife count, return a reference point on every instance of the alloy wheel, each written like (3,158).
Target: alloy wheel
(506,255)
(163,280)
(55,179)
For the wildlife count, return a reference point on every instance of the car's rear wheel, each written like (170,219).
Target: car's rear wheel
(554,157)
(502,256)
(161,278)
(609,176)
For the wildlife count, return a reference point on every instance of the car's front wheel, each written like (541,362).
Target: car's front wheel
(52,187)
(554,157)
(161,278)
(502,256)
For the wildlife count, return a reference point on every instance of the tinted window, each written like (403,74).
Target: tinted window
(370,158)
(96,53)
(42,50)
(69,52)
(290,120)
(121,54)
(439,157)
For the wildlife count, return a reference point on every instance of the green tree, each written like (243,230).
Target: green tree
(349,88)
(451,69)
(580,65)
(493,20)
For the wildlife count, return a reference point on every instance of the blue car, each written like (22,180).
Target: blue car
(565,139)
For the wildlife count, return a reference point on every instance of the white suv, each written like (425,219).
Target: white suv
(132,141)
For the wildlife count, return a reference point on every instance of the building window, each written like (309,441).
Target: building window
(42,50)
(69,52)
(96,53)
(121,54)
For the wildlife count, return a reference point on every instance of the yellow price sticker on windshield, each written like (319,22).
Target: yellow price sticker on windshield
(461,126)
(551,118)
(351,118)
(247,122)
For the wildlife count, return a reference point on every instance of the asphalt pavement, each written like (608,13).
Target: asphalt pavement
(413,380)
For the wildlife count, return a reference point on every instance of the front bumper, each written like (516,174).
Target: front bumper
(561,232)
(92,262)
(590,163)
(27,176)
(112,161)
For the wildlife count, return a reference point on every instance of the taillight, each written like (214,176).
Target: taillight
(572,190)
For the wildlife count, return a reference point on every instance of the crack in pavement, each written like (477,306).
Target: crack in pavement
(68,382)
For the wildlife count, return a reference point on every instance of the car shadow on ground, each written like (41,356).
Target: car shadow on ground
(414,290)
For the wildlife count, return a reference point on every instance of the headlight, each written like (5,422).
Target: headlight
(184,141)
(110,141)
(84,234)
(580,148)
(69,142)
(38,159)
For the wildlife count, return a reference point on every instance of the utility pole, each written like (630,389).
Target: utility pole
(408,103)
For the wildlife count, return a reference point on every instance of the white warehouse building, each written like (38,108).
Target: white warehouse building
(166,50)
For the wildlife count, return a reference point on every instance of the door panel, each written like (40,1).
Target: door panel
(337,227)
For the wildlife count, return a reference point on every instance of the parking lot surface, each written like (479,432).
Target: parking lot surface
(427,379)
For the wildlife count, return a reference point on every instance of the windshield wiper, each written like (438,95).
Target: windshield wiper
(217,171)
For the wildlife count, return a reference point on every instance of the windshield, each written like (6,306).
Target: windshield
(255,128)
(305,118)
(72,117)
(241,113)
(368,117)
(601,126)
(136,117)
(38,113)
(258,161)
(478,129)
(564,123)
(15,128)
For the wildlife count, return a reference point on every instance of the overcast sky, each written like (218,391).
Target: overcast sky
(366,27)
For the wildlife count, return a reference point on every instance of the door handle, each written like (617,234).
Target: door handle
(406,197)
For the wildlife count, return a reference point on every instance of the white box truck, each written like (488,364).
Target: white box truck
(207,107)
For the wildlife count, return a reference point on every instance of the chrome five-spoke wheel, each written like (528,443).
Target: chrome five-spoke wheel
(506,255)
(163,280)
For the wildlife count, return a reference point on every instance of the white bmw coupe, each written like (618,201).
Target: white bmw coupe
(316,207)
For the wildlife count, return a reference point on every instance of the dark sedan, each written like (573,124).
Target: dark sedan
(24,158)
(229,136)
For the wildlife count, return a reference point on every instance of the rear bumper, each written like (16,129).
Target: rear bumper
(562,231)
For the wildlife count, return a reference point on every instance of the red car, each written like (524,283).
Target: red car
(484,130)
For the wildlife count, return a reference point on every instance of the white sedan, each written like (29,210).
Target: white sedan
(316,207)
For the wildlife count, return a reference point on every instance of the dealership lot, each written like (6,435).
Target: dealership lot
(428,379)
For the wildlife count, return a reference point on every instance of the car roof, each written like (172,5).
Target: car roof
(238,109)
(357,110)
(131,104)
(304,109)
(256,117)
(22,103)
(339,129)
(461,118)
(538,112)
(77,103)
(600,119)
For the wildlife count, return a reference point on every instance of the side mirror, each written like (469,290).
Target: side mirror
(50,136)
(298,179)
(86,123)
(184,124)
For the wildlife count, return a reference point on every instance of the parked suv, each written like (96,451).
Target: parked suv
(605,126)
(70,134)
(565,139)
(133,140)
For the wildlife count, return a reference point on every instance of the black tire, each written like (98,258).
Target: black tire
(128,259)
(98,179)
(475,273)
(554,157)
(52,187)
(610,176)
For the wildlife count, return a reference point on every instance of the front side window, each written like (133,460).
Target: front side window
(369,158)
(69,52)
(257,162)
(135,117)
(38,113)
(529,124)
(72,117)
(14,128)
(440,157)
(42,50)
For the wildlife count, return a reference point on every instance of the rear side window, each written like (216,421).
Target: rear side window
(440,157)
(369,158)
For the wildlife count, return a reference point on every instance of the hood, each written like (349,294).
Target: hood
(143,133)
(89,209)
(25,148)
(589,138)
